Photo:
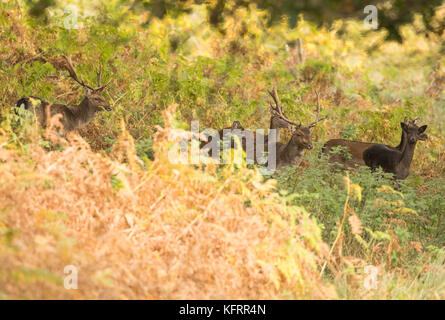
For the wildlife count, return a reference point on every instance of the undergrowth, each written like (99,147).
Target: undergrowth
(109,201)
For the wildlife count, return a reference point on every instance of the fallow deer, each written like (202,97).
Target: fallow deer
(292,152)
(278,120)
(284,154)
(392,160)
(73,117)
(236,126)
(355,149)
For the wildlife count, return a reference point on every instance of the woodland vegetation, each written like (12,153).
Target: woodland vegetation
(106,199)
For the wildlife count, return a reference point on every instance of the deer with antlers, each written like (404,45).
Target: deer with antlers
(72,117)
(278,120)
(256,144)
(292,152)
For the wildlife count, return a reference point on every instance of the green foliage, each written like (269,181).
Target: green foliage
(387,215)
(349,131)
(35,74)
(116,183)
(391,16)
(366,88)
(144,149)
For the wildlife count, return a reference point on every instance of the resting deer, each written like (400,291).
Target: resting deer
(292,152)
(356,148)
(392,160)
(284,154)
(73,117)
(236,125)
(277,121)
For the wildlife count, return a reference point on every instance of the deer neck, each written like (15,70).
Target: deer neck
(292,154)
(84,112)
(403,142)
(405,160)
(408,153)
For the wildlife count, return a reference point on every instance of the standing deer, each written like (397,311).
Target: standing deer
(356,148)
(392,160)
(72,117)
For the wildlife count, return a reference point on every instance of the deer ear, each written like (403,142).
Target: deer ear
(422,128)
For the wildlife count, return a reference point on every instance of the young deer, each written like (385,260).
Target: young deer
(356,149)
(392,160)
(73,117)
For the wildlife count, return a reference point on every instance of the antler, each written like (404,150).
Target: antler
(412,122)
(278,109)
(72,72)
(70,68)
(317,119)
(99,75)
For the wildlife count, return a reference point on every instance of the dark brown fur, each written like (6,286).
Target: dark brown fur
(356,149)
(392,160)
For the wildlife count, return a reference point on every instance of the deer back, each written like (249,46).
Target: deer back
(352,155)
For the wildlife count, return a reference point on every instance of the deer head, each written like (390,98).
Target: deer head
(93,96)
(301,135)
(413,132)
(406,124)
(237,125)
